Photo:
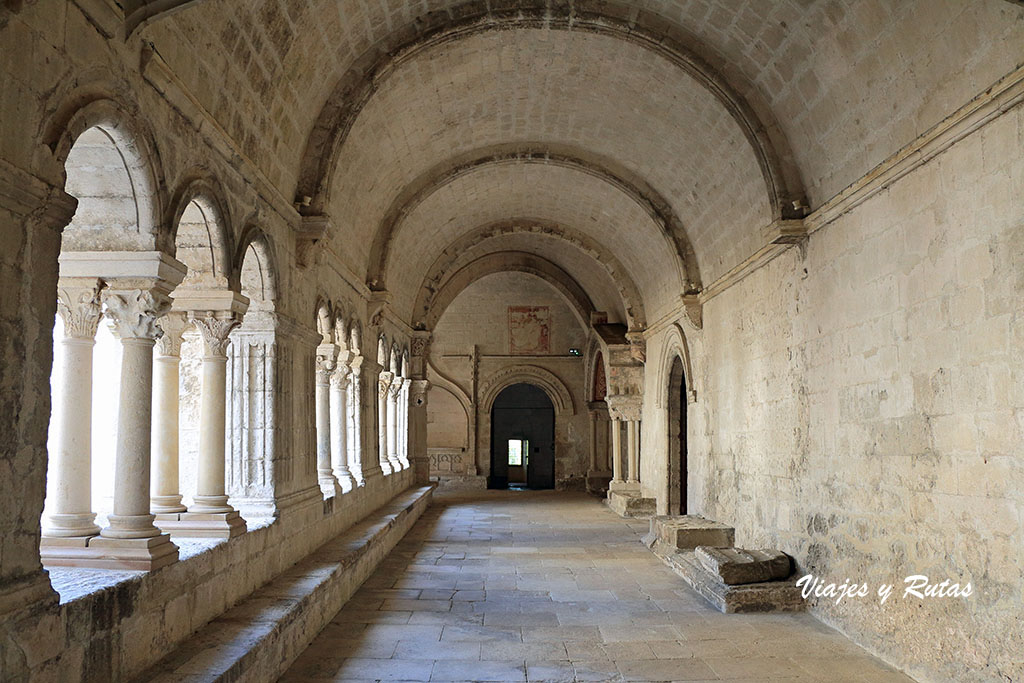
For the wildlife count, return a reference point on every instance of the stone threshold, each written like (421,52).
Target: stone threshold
(258,639)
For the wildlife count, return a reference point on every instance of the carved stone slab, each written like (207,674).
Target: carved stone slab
(736,566)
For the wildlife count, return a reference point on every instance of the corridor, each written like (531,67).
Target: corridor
(546,586)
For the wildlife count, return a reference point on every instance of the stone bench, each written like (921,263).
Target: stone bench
(630,504)
(258,639)
(670,533)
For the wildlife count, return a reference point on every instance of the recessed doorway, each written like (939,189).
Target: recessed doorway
(522,439)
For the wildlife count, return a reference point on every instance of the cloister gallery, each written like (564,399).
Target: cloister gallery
(511,340)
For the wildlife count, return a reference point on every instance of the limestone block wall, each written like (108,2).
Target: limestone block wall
(471,352)
(861,406)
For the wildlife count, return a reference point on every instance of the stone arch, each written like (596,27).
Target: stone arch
(548,382)
(560,396)
(382,351)
(325,320)
(357,86)
(112,124)
(632,185)
(255,269)
(624,283)
(675,346)
(436,302)
(395,359)
(341,327)
(198,222)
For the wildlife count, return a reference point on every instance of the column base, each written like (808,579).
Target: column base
(202,524)
(345,480)
(70,525)
(623,486)
(396,464)
(98,552)
(165,505)
(385,468)
(330,486)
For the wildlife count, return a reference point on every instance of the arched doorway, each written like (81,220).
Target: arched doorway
(677,470)
(522,439)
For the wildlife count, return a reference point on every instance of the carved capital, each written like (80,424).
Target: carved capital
(79,306)
(340,377)
(626,407)
(214,329)
(135,312)
(384,383)
(172,326)
(396,387)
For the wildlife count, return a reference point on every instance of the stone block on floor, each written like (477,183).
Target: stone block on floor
(736,566)
(670,533)
(630,504)
(765,596)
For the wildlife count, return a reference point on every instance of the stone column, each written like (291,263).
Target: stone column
(418,431)
(599,474)
(69,513)
(325,418)
(383,385)
(616,434)
(339,437)
(633,452)
(132,541)
(367,373)
(394,422)
(403,422)
(352,417)
(165,496)
(210,514)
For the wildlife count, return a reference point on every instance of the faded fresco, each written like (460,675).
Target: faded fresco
(529,330)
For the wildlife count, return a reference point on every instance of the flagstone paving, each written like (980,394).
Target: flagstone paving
(546,586)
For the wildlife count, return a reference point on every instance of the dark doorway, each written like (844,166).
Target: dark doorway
(522,439)
(677,474)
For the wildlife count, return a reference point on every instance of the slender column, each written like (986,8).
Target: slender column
(355,451)
(633,451)
(165,497)
(367,373)
(383,385)
(69,512)
(393,424)
(324,422)
(616,429)
(339,438)
(403,433)
(210,513)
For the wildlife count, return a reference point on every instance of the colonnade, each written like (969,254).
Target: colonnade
(624,413)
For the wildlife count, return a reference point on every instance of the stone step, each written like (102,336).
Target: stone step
(737,566)
(767,596)
(259,638)
(670,533)
(630,504)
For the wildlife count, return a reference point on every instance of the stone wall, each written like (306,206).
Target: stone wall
(860,406)
(470,352)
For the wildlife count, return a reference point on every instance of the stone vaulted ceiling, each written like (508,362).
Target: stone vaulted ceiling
(666,134)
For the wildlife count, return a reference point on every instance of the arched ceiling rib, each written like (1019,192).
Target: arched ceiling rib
(594,266)
(846,83)
(565,196)
(585,99)
(657,207)
(435,303)
(647,31)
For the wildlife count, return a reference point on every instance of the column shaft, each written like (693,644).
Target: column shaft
(166,496)
(324,432)
(633,450)
(616,429)
(339,436)
(70,510)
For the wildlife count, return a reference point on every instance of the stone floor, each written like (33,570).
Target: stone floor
(545,586)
